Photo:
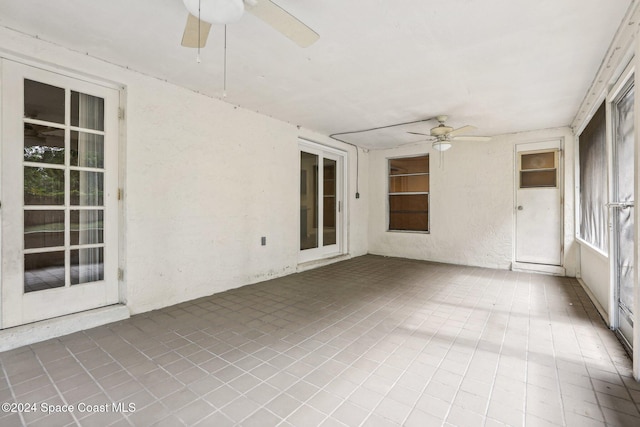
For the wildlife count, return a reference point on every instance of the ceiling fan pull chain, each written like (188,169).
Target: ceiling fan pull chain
(224,89)
(199,21)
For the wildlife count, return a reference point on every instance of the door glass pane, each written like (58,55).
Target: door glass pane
(87,111)
(308,200)
(625,258)
(43,186)
(538,161)
(330,206)
(43,144)
(43,271)
(624,192)
(43,102)
(532,179)
(46,186)
(87,150)
(43,229)
(86,227)
(87,265)
(538,170)
(87,188)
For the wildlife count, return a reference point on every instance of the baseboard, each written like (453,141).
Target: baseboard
(19,336)
(599,307)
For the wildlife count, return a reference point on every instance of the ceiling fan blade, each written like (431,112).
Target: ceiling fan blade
(282,21)
(472,138)
(190,37)
(418,133)
(463,129)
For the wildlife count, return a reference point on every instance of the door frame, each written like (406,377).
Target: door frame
(80,80)
(624,82)
(314,254)
(532,146)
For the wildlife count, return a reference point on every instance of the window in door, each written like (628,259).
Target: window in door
(63,187)
(409,194)
(538,169)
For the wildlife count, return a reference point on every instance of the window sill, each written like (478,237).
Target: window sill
(598,251)
(409,231)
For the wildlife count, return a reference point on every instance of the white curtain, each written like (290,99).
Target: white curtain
(593,182)
(90,154)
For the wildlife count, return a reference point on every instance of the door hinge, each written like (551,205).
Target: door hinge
(121,113)
(339,206)
(120,193)
(120,274)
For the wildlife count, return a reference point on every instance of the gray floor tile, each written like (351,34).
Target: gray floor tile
(372,341)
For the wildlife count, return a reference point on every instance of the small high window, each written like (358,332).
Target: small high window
(409,194)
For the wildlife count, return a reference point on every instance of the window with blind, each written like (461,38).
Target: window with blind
(409,194)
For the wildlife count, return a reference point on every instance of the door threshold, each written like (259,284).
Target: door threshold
(554,270)
(321,262)
(31,333)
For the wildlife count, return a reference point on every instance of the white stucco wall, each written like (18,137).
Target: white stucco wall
(472,203)
(203,182)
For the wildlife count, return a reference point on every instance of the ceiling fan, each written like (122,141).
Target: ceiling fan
(203,13)
(442,135)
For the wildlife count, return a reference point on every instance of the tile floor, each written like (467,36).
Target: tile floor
(371,341)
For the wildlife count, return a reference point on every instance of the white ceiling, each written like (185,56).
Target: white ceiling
(502,65)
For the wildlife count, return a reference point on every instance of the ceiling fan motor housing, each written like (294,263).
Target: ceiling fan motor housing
(441,129)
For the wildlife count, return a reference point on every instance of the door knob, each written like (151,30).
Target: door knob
(520,208)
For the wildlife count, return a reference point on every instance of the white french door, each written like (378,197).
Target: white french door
(59,184)
(321,202)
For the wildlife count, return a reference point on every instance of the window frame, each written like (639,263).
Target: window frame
(390,193)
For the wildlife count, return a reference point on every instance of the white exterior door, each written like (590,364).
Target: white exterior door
(59,185)
(622,210)
(321,202)
(538,204)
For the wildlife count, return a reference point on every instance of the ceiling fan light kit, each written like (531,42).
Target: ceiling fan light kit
(441,145)
(203,13)
(216,11)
